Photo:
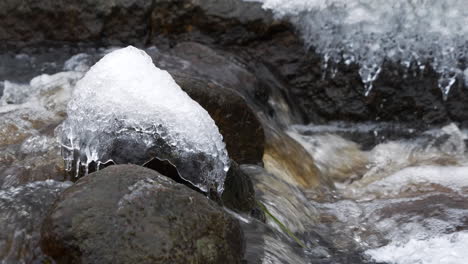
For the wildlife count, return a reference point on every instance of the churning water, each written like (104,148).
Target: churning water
(400,200)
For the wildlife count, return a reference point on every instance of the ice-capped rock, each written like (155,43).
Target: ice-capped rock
(127,110)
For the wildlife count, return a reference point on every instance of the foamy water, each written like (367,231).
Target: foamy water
(444,249)
(402,201)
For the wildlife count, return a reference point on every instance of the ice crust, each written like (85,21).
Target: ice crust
(124,96)
(413,33)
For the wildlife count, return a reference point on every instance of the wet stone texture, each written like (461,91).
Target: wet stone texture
(241,130)
(130,214)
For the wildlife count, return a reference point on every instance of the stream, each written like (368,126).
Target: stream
(390,192)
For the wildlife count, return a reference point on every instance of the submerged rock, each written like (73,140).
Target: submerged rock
(337,159)
(130,214)
(289,160)
(28,148)
(126,110)
(22,210)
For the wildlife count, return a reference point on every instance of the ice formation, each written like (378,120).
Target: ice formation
(126,104)
(414,33)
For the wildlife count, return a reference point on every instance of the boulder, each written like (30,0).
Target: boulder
(130,214)
(243,72)
(240,128)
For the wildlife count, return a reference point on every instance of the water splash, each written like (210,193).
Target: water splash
(411,33)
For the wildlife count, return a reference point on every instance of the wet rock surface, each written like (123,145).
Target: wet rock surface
(398,95)
(241,130)
(239,193)
(22,210)
(134,21)
(130,214)
(280,158)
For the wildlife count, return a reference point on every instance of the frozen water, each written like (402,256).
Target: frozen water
(413,33)
(125,98)
(444,249)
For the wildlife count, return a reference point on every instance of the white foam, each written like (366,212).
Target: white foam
(452,177)
(444,249)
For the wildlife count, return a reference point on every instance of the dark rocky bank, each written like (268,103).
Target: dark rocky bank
(243,32)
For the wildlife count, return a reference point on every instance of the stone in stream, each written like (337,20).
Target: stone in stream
(127,111)
(289,160)
(130,214)
(240,71)
(22,210)
(239,194)
(241,130)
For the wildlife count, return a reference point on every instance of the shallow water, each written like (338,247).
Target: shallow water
(391,201)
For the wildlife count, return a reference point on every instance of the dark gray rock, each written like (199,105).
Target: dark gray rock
(241,130)
(130,214)
(67,20)
(127,21)
(244,73)
(22,210)
(239,193)
(397,96)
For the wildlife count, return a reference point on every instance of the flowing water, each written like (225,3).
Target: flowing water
(397,200)
(399,193)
